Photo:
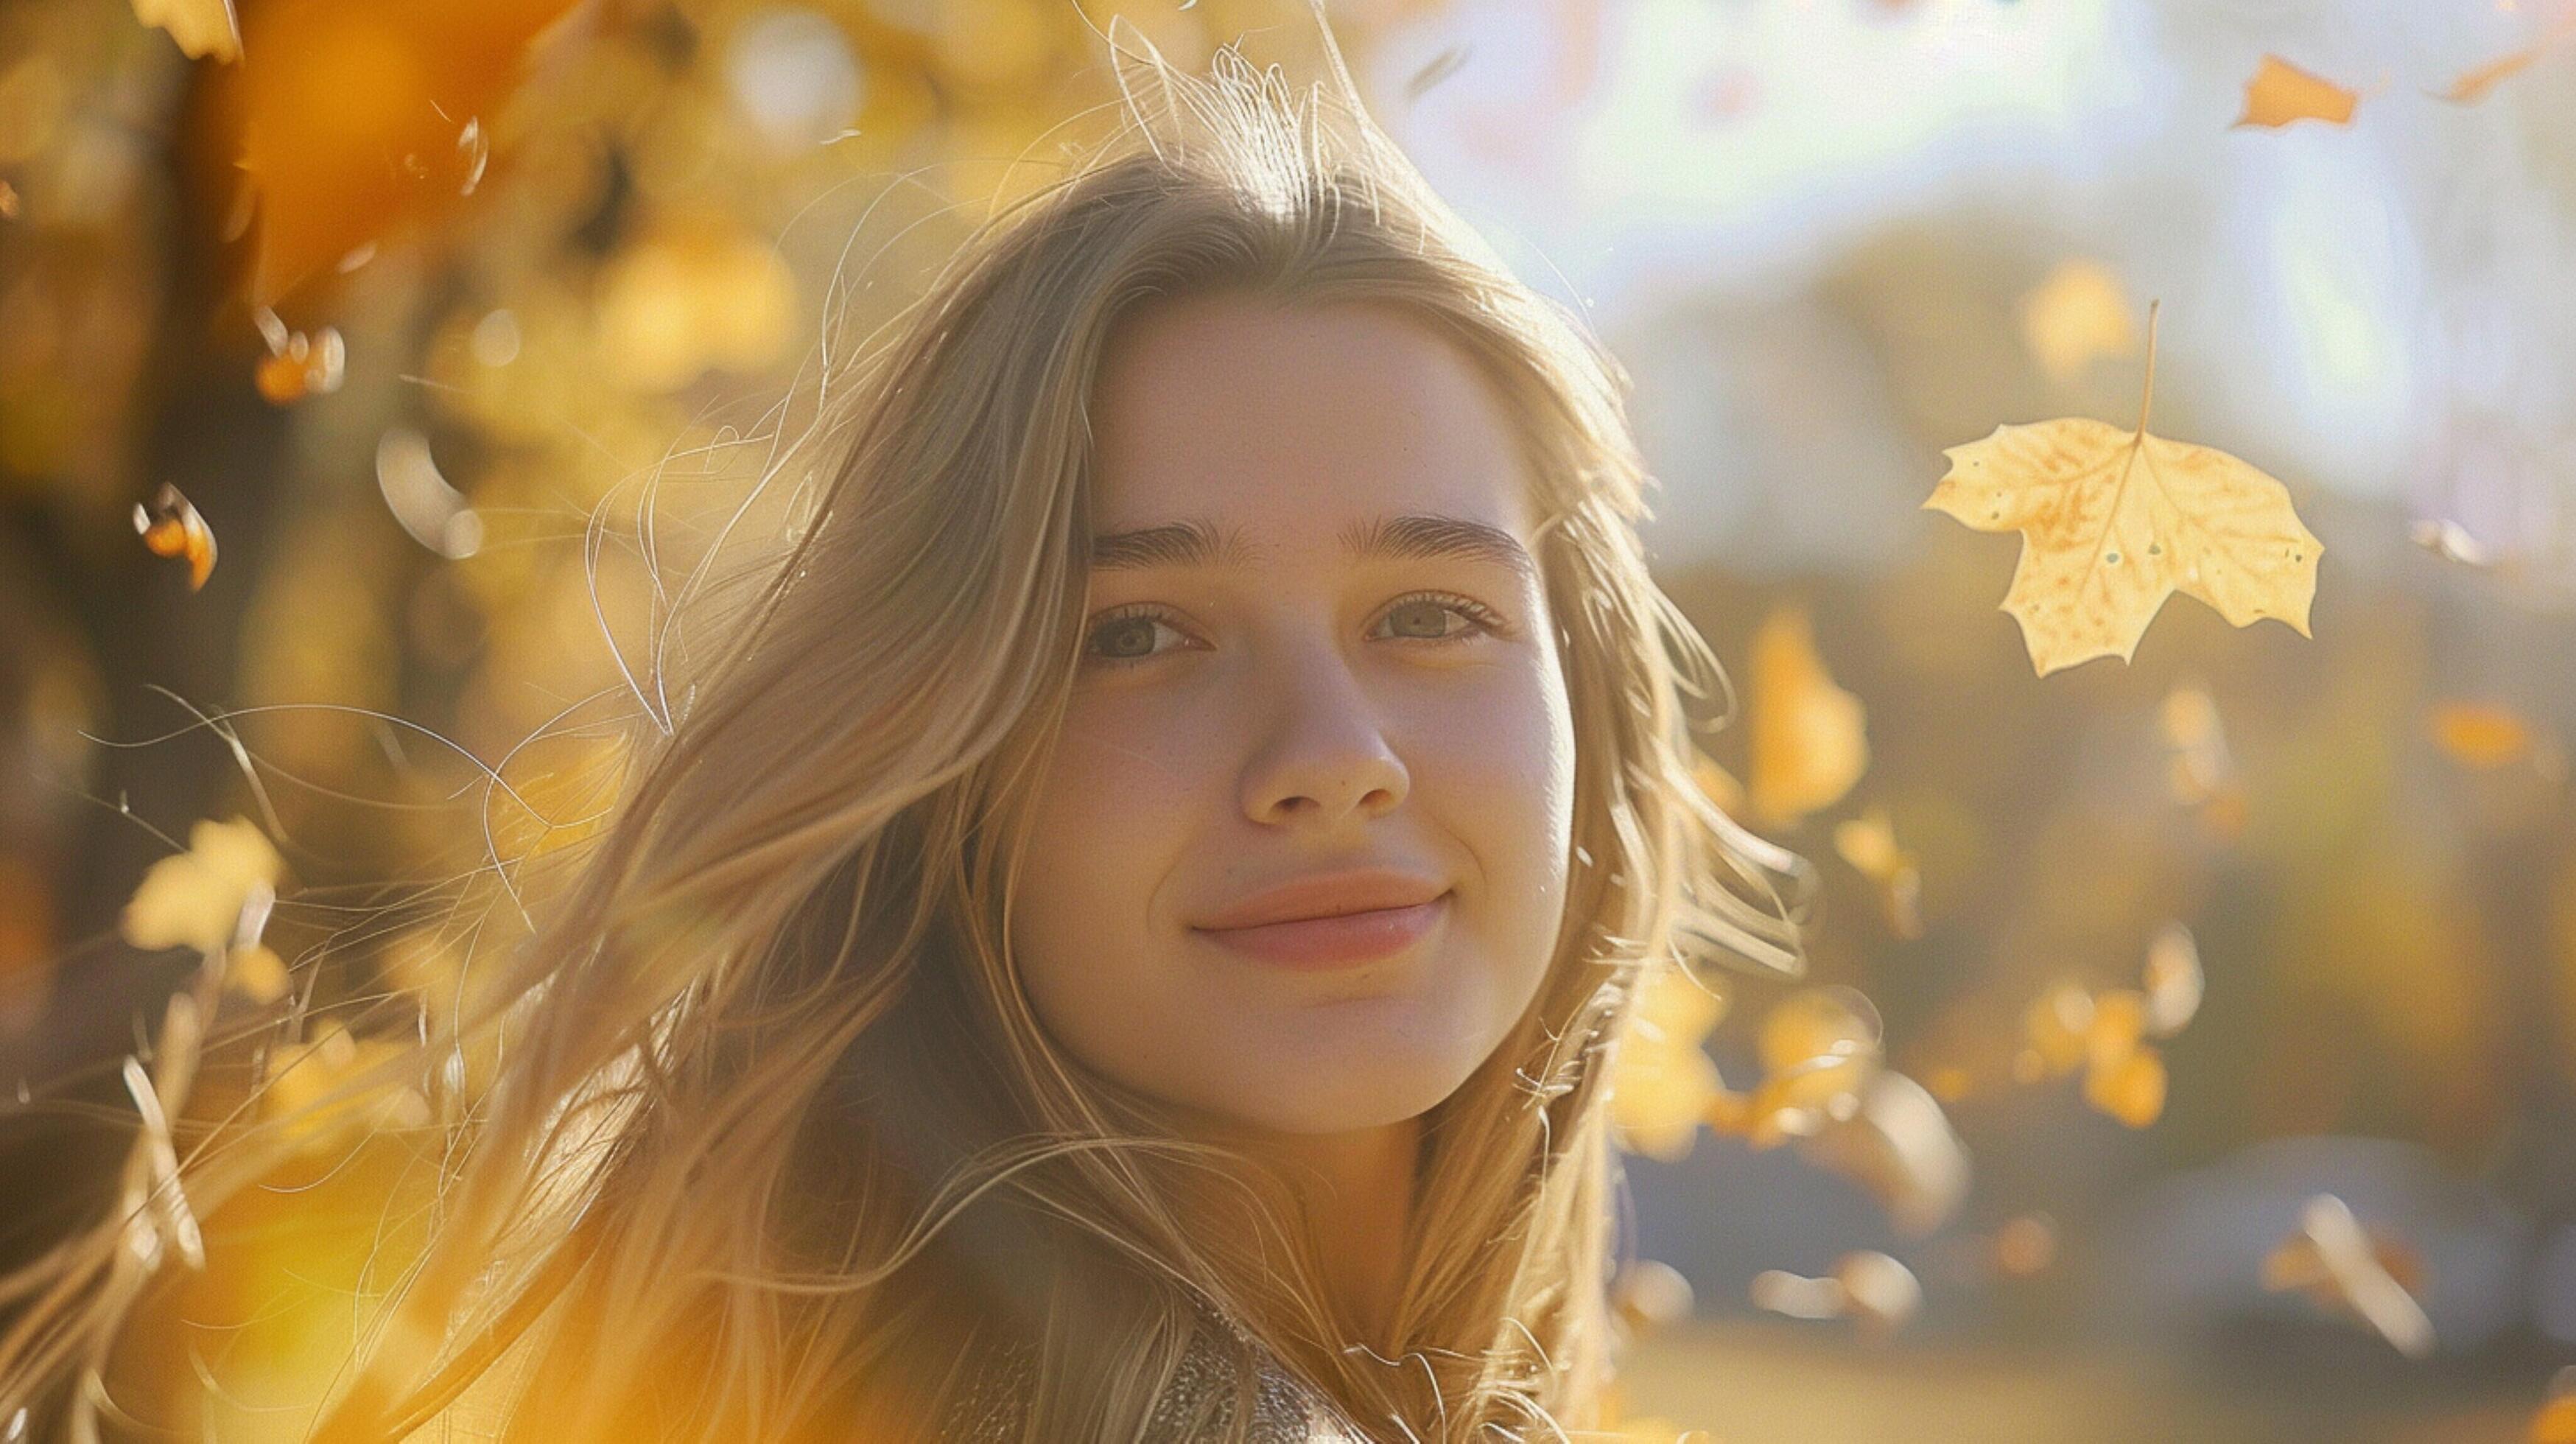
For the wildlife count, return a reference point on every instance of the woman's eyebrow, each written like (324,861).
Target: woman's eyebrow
(1195,543)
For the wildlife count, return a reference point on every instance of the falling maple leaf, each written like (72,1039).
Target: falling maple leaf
(1807,736)
(2281,93)
(2114,522)
(361,122)
(171,527)
(202,27)
(2473,85)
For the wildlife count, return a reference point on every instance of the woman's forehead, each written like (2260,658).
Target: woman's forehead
(1296,419)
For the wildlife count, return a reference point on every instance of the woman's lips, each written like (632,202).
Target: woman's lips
(1334,941)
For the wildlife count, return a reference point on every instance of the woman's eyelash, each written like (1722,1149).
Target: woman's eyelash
(1485,618)
(1483,621)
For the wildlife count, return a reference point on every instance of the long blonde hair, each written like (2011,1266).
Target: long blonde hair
(778,1141)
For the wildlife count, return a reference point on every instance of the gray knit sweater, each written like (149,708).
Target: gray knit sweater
(993,1406)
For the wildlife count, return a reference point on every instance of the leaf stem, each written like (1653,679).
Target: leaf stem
(2147,403)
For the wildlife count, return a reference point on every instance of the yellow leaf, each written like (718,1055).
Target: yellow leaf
(2199,770)
(1814,1023)
(202,27)
(2132,1089)
(2477,734)
(305,1081)
(2077,315)
(1718,784)
(697,293)
(196,897)
(1663,1086)
(1798,1102)
(1660,1091)
(1868,843)
(2281,93)
(257,972)
(1808,737)
(2119,1021)
(2054,1028)
(2473,85)
(1678,1006)
(1819,1048)
(2114,522)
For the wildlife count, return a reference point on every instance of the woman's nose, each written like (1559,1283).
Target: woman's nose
(1322,753)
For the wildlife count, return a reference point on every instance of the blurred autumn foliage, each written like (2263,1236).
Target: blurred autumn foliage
(386,326)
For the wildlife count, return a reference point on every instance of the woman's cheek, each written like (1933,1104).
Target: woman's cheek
(1505,768)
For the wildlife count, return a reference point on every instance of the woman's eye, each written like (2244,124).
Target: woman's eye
(1425,619)
(1129,638)
(1133,637)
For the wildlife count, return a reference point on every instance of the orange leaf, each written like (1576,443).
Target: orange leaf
(2281,93)
(202,27)
(360,121)
(298,365)
(2556,1421)
(170,527)
(2114,522)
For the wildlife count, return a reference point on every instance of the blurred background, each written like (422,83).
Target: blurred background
(2203,1027)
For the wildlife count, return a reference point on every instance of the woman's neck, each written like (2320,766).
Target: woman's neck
(1357,1192)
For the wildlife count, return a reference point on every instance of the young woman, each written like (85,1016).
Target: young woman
(1127,939)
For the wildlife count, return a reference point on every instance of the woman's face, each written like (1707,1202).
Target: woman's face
(1319,680)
